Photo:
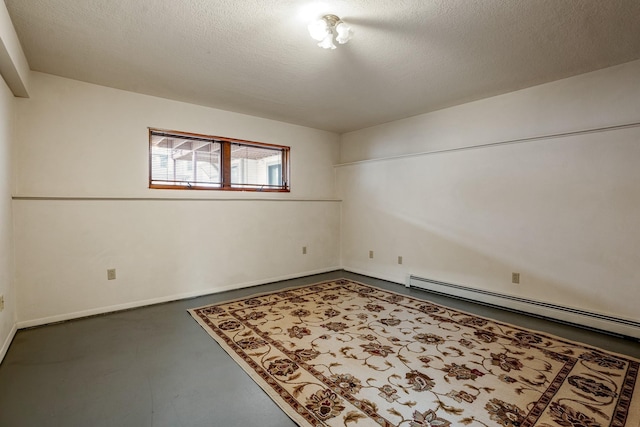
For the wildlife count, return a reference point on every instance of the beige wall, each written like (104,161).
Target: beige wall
(81,141)
(7,288)
(602,98)
(564,212)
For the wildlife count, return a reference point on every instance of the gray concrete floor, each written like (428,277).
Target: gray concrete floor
(155,366)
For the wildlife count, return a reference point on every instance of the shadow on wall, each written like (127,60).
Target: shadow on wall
(562,213)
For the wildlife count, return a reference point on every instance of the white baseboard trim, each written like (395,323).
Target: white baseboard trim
(175,297)
(375,276)
(7,342)
(575,316)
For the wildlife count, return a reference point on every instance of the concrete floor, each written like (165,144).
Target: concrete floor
(155,366)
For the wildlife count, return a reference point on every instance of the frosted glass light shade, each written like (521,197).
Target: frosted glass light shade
(318,29)
(327,43)
(344,33)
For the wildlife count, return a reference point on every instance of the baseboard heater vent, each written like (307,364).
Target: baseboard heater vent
(602,322)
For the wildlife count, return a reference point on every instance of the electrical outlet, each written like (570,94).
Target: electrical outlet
(371,254)
(1,302)
(111,274)
(399,260)
(515,278)
(304,250)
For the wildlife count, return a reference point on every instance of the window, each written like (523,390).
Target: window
(179,160)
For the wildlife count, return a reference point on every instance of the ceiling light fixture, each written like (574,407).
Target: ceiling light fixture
(325,28)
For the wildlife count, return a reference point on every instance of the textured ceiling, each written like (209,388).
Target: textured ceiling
(255,56)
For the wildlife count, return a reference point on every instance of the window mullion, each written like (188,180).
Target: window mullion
(226,164)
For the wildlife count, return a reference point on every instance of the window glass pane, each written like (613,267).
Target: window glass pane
(185,161)
(256,167)
(275,174)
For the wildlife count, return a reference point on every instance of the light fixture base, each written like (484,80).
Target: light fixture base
(331,20)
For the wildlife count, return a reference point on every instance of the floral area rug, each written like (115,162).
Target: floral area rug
(341,353)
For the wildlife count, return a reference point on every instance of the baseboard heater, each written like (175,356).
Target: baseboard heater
(581,318)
